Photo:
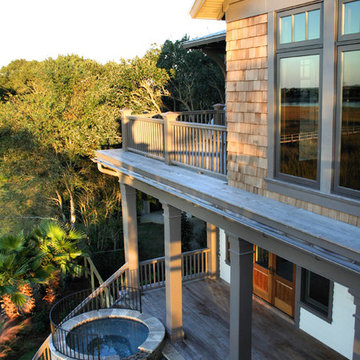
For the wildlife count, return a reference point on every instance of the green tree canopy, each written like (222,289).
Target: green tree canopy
(53,115)
(196,82)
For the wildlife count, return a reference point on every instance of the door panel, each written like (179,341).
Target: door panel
(274,280)
(284,285)
(261,274)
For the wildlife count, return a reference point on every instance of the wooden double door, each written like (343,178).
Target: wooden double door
(274,280)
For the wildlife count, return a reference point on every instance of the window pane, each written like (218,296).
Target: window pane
(318,289)
(285,26)
(352,17)
(299,27)
(262,257)
(350,121)
(284,268)
(314,24)
(299,113)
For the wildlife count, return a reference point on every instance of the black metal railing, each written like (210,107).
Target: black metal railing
(88,346)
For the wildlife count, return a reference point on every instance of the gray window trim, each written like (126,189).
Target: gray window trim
(308,307)
(330,201)
(337,188)
(292,13)
(342,37)
(328,196)
(294,179)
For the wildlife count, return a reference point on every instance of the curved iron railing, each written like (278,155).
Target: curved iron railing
(87,347)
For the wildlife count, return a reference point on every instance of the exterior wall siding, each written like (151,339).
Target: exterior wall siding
(246,99)
(338,335)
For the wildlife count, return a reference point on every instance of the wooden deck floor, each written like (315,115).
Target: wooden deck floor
(206,326)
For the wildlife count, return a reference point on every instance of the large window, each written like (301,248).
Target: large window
(298,95)
(347,163)
(316,293)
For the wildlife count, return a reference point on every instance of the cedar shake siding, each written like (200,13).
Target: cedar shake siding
(247,121)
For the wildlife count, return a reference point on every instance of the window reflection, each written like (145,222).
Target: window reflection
(351,17)
(299,27)
(313,24)
(350,121)
(285,29)
(299,113)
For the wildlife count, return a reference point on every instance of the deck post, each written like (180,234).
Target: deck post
(356,349)
(218,108)
(125,113)
(212,241)
(128,204)
(173,286)
(241,259)
(169,136)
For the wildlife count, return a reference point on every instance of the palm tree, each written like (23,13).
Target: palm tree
(20,265)
(59,244)
(39,257)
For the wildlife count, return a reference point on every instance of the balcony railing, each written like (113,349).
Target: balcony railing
(194,265)
(194,139)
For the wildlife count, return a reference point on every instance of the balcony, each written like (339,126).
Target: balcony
(195,139)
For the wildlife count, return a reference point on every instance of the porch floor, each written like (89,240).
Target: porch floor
(206,326)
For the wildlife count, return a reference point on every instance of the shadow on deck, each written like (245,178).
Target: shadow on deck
(206,326)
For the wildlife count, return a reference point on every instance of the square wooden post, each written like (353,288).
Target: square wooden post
(241,259)
(125,113)
(212,241)
(128,204)
(218,114)
(173,276)
(169,136)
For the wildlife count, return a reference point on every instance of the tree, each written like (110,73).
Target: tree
(20,266)
(37,258)
(138,83)
(195,82)
(53,115)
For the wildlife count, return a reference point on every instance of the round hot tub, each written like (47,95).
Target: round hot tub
(108,334)
(108,337)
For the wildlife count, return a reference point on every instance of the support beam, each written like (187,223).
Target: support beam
(241,259)
(128,204)
(212,241)
(356,349)
(173,289)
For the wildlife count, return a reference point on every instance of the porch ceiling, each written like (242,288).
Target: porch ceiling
(298,235)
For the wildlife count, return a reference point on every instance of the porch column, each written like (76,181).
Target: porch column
(356,349)
(241,259)
(128,205)
(211,238)
(173,289)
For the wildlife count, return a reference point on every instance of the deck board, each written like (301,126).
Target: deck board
(206,326)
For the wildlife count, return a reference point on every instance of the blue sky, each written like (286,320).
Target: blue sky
(101,30)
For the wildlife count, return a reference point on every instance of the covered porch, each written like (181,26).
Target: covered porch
(206,322)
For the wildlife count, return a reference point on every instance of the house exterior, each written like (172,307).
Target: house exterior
(274,49)
(286,199)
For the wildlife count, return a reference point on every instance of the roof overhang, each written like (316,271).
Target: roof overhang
(213,45)
(208,9)
(212,41)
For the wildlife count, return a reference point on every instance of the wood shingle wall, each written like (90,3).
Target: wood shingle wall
(246,101)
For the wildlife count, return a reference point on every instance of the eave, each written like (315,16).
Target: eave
(208,9)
